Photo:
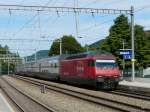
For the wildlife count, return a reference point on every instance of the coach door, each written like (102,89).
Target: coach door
(80,68)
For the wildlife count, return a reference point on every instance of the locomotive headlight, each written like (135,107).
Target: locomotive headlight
(115,76)
(99,76)
(100,79)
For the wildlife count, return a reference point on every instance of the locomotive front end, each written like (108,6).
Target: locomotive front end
(107,74)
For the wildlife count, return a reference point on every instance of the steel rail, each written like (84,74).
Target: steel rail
(30,98)
(13,100)
(136,95)
(121,106)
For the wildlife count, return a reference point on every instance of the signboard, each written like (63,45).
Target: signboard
(127,56)
(126,53)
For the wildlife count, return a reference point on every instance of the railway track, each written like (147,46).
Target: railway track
(111,103)
(23,101)
(133,94)
(19,108)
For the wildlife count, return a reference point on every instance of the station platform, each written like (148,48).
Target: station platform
(139,84)
(4,105)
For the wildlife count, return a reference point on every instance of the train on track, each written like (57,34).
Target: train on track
(98,69)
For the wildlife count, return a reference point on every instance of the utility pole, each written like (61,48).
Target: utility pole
(132,43)
(76,18)
(39,24)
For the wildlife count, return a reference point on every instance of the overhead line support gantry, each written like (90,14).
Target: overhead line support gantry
(63,9)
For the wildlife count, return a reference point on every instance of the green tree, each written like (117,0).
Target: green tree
(145,50)
(118,32)
(4,63)
(69,46)
(121,31)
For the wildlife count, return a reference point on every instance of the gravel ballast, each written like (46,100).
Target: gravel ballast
(58,101)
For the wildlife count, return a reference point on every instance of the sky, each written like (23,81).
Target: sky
(15,24)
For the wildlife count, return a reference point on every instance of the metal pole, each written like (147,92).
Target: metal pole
(43,88)
(76,18)
(87,48)
(25,58)
(39,21)
(8,66)
(132,43)
(8,62)
(60,40)
(35,56)
(0,68)
(123,63)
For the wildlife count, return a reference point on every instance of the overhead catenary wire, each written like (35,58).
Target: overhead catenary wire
(65,3)
(56,19)
(142,8)
(21,2)
(93,2)
(68,9)
(77,10)
(18,50)
(46,21)
(30,20)
(64,9)
(28,40)
(108,3)
(96,25)
(20,29)
(39,24)
(52,22)
(8,23)
(48,2)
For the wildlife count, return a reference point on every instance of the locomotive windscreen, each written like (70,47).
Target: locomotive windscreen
(106,64)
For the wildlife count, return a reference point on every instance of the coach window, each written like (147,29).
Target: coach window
(51,65)
(91,63)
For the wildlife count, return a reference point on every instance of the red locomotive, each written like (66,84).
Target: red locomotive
(92,68)
(99,69)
